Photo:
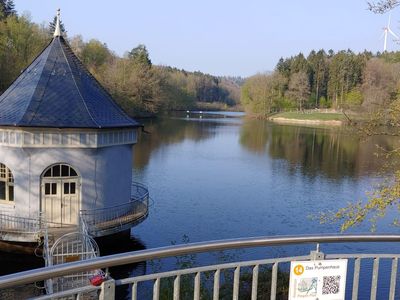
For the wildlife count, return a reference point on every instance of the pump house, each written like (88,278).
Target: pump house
(65,148)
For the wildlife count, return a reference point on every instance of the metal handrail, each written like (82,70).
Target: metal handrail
(133,198)
(104,220)
(15,224)
(170,251)
(144,191)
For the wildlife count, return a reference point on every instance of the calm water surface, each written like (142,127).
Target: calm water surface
(223,177)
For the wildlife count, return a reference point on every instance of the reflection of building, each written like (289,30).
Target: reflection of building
(65,147)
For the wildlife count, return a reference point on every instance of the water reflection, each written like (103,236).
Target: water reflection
(335,153)
(172,130)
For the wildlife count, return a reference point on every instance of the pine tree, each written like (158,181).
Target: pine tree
(140,55)
(7,8)
(10,8)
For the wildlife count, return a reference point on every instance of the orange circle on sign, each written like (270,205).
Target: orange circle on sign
(298,270)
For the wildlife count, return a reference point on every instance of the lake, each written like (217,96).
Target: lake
(220,175)
(224,176)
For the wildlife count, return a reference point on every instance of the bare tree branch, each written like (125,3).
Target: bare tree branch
(382,6)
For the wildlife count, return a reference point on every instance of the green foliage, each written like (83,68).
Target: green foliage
(324,103)
(262,94)
(354,98)
(342,80)
(140,55)
(20,41)
(95,54)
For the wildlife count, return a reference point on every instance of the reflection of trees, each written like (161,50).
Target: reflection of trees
(335,153)
(167,131)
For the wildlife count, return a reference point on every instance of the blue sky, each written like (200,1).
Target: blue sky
(221,37)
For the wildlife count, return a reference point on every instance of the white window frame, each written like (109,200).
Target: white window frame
(7,177)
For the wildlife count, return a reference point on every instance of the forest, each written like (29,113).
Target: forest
(139,86)
(357,82)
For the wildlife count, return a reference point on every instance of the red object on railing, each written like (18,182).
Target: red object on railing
(97,279)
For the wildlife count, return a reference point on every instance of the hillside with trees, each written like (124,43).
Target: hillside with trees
(344,80)
(139,86)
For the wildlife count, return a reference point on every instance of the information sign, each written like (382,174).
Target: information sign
(318,279)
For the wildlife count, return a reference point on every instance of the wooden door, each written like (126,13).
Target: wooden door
(70,201)
(60,201)
(51,201)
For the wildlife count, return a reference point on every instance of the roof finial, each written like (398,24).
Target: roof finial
(57,30)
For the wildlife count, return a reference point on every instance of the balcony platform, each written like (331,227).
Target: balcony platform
(98,222)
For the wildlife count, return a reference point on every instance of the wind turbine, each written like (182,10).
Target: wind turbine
(386,31)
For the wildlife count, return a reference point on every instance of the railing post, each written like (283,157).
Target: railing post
(274,277)
(254,284)
(356,278)
(393,277)
(374,284)
(107,291)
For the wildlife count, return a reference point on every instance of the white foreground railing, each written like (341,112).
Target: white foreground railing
(198,276)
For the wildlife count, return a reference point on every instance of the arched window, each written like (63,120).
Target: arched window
(60,170)
(6,184)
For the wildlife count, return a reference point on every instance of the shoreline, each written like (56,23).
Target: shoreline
(282,120)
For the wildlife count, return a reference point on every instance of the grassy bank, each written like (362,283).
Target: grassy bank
(321,116)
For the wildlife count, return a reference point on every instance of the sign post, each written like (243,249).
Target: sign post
(318,279)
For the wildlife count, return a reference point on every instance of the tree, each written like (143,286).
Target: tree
(299,89)
(319,68)
(77,45)
(7,8)
(379,86)
(263,93)
(140,55)
(95,54)
(383,6)
(20,41)
(345,73)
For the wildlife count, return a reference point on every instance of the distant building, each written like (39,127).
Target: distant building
(65,145)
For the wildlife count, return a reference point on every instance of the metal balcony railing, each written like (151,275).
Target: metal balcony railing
(198,276)
(107,220)
(14,224)
(14,228)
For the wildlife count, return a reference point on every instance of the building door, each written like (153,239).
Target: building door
(60,192)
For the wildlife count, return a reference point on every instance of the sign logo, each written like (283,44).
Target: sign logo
(298,270)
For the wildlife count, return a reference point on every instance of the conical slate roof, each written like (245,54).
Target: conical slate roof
(57,91)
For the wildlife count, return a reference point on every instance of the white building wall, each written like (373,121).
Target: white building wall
(106,175)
